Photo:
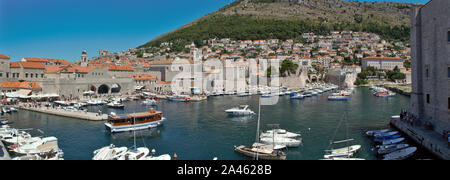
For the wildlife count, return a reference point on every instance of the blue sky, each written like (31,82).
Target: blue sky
(63,28)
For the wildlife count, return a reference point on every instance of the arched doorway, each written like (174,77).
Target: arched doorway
(115,88)
(103,89)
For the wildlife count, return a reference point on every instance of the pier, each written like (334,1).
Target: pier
(65,113)
(428,139)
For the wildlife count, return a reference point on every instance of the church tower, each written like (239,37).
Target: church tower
(84,59)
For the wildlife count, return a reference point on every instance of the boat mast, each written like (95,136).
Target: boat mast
(257,127)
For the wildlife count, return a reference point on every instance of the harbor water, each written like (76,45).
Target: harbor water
(202,130)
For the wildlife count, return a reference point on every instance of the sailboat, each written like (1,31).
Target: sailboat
(258,151)
(345,153)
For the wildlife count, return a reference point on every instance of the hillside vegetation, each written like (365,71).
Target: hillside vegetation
(265,19)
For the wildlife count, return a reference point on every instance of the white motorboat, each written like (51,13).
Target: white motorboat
(52,155)
(345,159)
(391,148)
(400,154)
(109,152)
(95,102)
(349,149)
(150,102)
(392,141)
(19,137)
(43,145)
(140,153)
(279,133)
(341,155)
(161,157)
(288,142)
(241,110)
(371,133)
(116,105)
(261,152)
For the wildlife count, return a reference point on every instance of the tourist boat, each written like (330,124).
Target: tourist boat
(288,142)
(337,97)
(392,141)
(242,110)
(371,133)
(179,98)
(391,148)
(296,96)
(261,152)
(150,102)
(116,105)
(280,133)
(137,121)
(110,152)
(384,138)
(400,154)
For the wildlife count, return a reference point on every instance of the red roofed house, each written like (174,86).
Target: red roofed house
(13,86)
(4,66)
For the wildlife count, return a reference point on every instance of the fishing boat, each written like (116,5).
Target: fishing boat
(392,141)
(386,149)
(240,111)
(371,133)
(116,105)
(150,102)
(400,154)
(110,152)
(144,120)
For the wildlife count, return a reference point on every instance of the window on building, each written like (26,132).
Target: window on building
(428,98)
(42,75)
(427,72)
(37,76)
(7,75)
(1,74)
(448,72)
(31,75)
(448,36)
(26,75)
(449,103)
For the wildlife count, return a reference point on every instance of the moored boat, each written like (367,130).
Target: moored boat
(261,153)
(391,148)
(136,121)
(392,141)
(240,111)
(400,154)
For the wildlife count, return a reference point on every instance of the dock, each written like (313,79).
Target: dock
(4,155)
(428,139)
(65,113)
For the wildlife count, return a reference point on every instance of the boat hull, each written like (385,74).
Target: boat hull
(260,156)
(115,129)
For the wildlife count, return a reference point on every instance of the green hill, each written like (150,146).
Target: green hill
(264,19)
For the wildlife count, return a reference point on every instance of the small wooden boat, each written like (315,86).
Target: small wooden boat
(261,153)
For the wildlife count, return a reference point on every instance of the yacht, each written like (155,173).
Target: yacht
(261,152)
(116,105)
(241,110)
(279,133)
(150,102)
(288,142)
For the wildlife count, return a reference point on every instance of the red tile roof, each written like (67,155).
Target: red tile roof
(14,65)
(143,77)
(32,65)
(3,56)
(19,84)
(120,68)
